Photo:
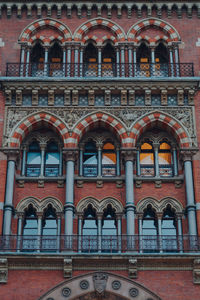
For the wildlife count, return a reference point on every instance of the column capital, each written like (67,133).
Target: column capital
(12,154)
(70,154)
(187,154)
(129,154)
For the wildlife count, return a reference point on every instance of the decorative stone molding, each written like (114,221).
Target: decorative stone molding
(158,183)
(40,183)
(99,183)
(67,268)
(3,270)
(100,281)
(196,271)
(132,268)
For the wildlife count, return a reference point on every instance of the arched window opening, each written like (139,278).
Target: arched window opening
(37,57)
(52,160)
(165,160)
(108,60)
(147,160)
(90,231)
(161,60)
(33,162)
(150,230)
(55,58)
(49,222)
(90,59)
(109,231)
(30,230)
(109,160)
(169,230)
(143,61)
(90,160)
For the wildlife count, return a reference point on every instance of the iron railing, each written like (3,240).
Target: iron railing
(105,70)
(101,244)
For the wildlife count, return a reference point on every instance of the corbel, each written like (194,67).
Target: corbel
(67,97)
(147,97)
(191,97)
(3,270)
(180,97)
(99,183)
(50,97)
(196,271)
(19,97)
(34,97)
(163,97)
(91,97)
(41,183)
(79,183)
(123,97)
(107,97)
(8,94)
(131,97)
(67,268)
(74,97)
(132,268)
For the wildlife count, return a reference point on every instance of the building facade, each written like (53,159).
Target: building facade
(99,137)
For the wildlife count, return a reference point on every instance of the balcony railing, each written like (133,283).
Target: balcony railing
(94,70)
(101,244)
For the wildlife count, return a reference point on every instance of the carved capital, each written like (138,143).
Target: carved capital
(12,154)
(70,154)
(187,154)
(129,154)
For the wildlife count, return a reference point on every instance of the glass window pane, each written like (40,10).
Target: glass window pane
(33,158)
(52,158)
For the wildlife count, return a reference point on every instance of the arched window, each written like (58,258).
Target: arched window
(109,160)
(161,60)
(143,61)
(109,231)
(165,160)
(30,230)
(147,160)
(37,60)
(90,59)
(90,231)
(108,60)
(149,230)
(49,224)
(90,160)
(55,58)
(33,161)
(52,160)
(169,230)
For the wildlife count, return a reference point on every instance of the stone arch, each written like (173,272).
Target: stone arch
(25,36)
(112,26)
(99,118)
(46,41)
(99,205)
(32,122)
(85,202)
(134,31)
(143,203)
(97,40)
(115,204)
(40,204)
(98,284)
(164,121)
(174,203)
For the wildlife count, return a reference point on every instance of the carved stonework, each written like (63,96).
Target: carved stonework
(67,268)
(100,281)
(3,270)
(132,268)
(196,271)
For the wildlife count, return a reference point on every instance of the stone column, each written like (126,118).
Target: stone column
(8,203)
(117,63)
(27,61)
(69,53)
(118,161)
(156,160)
(22,61)
(42,166)
(191,207)
(99,227)
(24,148)
(99,159)
(119,231)
(58,231)
(81,159)
(69,195)
(138,169)
(152,64)
(130,61)
(176,57)
(60,161)
(130,208)
(76,57)
(80,221)
(160,238)
(19,230)
(140,216)
(171,61)
(175,162)
(122,61)
(39,241)
(81,62)
(99,61)
(180,232)
(46,54)
(64,61)
(135,61)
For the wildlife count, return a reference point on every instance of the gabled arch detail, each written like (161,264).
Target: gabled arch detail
(39,204)
(32,122)
(166,122)
(99,40)
(112,26)
(44,40)
(25,36)
(98,118)
(163,25)
(159,205)
(99,205)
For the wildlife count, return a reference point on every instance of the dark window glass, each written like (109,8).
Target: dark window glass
(90,160)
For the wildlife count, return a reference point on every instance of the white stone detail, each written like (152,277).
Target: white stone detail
(2,44)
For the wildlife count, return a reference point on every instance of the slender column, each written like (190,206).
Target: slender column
(24,160)
(69,53)
(76,55)
(130,208)
(80,220)
(118,162)
(60,162)
(117,63)
(176,57)
(119,231)
(99,160)
(81,62)
(191,208)
(160,232)
(46,53)
(140,232)
(138,169)
(156,162)
(99,219)
(27,61)
(64,61)
(99,61)
(81,161)
(171,61)
(130,61)
(22,62)
(19,231)
(8,204)
(152,65)
(122,61)
(69,196)
(175,162)
(42,148)
(39,231)
(58,232)
(135,61)
(180,233)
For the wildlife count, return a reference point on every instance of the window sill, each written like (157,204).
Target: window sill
(80,180)
(177,180)
(21,180)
